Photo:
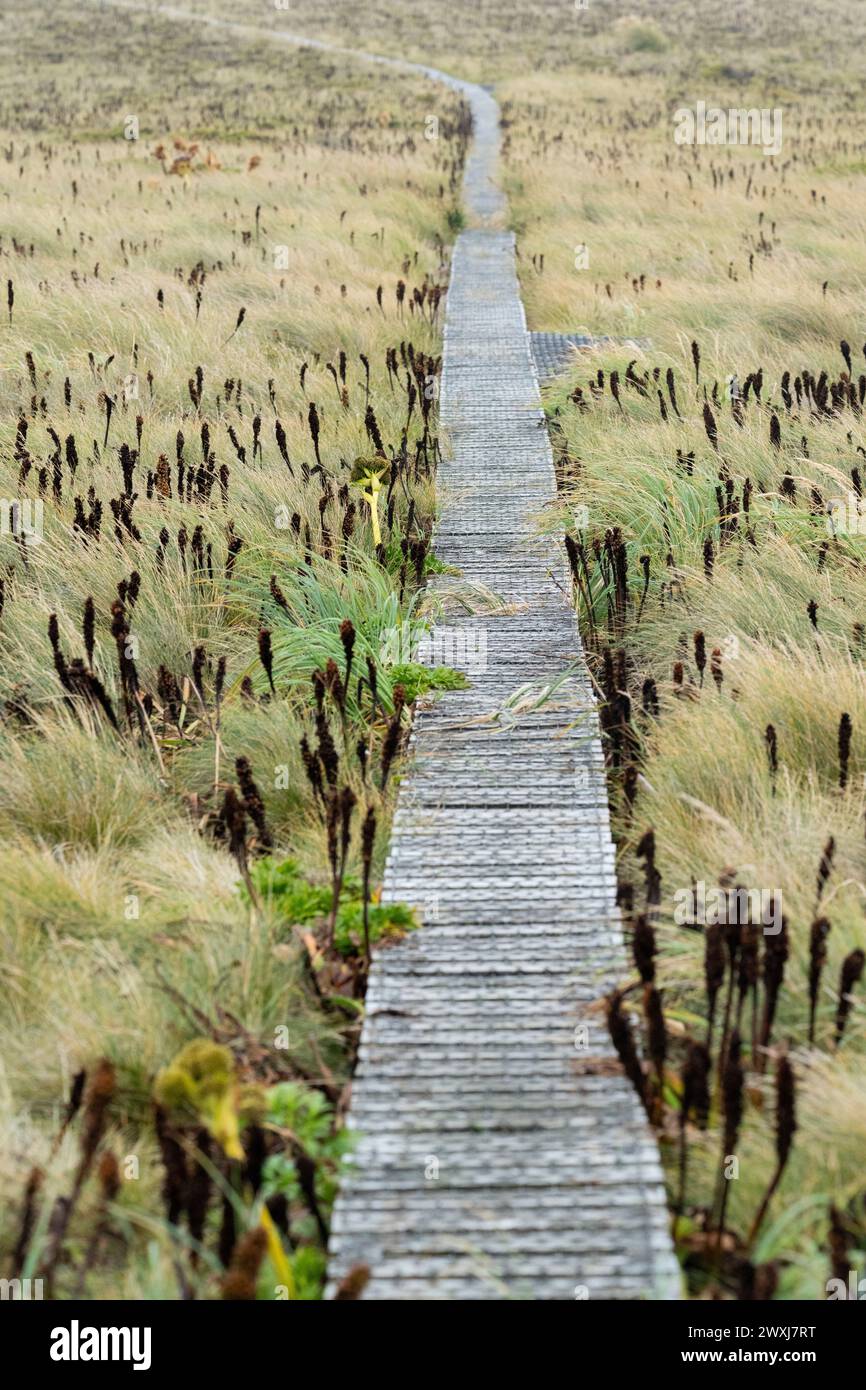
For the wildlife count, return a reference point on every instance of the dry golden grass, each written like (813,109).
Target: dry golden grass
(758,261)
(211,279)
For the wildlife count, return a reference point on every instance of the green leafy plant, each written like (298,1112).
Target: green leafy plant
(306,1118)
(309,1264)
(282,886)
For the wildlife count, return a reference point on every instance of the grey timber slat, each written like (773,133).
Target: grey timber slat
(553,352)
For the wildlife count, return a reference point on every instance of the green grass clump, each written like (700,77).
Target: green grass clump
(229,307)
(642,36)
(419,680)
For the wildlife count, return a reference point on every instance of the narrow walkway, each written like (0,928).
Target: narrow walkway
(502,1153)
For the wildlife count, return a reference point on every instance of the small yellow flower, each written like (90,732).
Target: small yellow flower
(367,475)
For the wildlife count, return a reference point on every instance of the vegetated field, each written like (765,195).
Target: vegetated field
(721,594)
(721,587)
(212,334)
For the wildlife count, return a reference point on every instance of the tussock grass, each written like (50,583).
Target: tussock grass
(756,260)
(289,269)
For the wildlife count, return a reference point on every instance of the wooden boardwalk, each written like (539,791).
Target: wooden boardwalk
(502,1153)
